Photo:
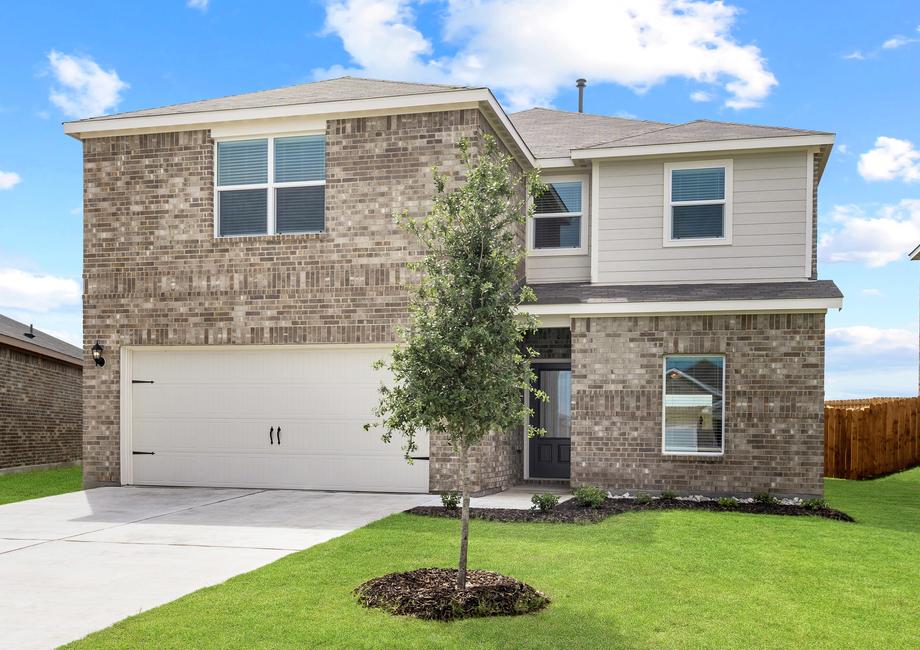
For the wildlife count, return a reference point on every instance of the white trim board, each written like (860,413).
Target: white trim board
(685,307)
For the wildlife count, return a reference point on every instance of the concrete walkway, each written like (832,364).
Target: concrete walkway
(78,562)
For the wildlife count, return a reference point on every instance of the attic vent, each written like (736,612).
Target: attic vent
(30,334)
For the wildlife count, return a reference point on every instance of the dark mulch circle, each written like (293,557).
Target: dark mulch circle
(569,512)
(432,594)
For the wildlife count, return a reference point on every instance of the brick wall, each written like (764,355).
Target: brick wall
(156,275)
(41,409)
(774,395)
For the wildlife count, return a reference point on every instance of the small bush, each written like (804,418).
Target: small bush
(765,498)
(590,496)
(727,502)
(544,502)
(642,497)
(815,504)
(669,495)
(450,500)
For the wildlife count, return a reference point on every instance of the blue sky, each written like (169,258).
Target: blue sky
(854,70)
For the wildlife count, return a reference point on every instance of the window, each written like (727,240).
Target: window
(271,186)
(557,222)
(698,205)
(694,406)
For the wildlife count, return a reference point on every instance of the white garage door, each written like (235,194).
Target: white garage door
(273,417)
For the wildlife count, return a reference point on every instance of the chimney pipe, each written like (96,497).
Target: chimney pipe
(580,83)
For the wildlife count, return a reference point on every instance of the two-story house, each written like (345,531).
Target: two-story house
(243,270)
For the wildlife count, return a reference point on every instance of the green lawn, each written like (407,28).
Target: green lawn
(639,580)
(40,483)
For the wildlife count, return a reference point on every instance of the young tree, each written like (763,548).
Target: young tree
(461,368)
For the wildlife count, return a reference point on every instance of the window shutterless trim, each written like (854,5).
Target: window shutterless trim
(726,201)
(664,407)
(270,186)
(582,249)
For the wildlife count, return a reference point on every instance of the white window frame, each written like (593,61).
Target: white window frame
(664,407)
(583,234)
(271,185)
(726,238)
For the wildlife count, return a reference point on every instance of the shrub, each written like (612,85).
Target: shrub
(450,500)
(815,504)
(642,497)
(727,502)
(669,495)
(544,502)
(590,496)
(765,498)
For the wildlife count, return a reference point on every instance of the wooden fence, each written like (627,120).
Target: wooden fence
(871,437)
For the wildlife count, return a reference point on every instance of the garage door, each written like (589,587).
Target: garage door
(276,417)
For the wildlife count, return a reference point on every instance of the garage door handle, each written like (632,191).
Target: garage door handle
(271,440)
(279,436)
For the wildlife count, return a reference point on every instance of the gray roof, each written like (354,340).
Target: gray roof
(553,134)
(575,293)
(330,90)
(16,330)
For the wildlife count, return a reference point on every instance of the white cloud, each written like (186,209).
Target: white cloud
(865,361)
(201,5)
(8,180)
(855,55)
(887,235)
(36,293)
(865,339)
(874,293)
(700,96)
(83,88)
(504,44)
(843,149)
(897,41)
(891,158)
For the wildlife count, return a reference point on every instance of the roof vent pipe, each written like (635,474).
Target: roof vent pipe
(580,83)
(30,334)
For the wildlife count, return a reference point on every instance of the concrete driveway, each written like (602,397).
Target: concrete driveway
(78,562)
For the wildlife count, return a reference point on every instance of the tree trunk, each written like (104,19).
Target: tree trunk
(464,514)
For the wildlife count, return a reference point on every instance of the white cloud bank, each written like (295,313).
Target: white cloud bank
(886,235)
(866,361)
(891,158)
(529,49)
(36,293)
(8,180)
(200,5)
(83,88)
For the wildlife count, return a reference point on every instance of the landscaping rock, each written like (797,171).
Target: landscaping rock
(432,594)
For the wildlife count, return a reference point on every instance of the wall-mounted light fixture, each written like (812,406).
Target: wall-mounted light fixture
(97,355)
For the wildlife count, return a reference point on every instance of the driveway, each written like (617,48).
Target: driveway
(78,562)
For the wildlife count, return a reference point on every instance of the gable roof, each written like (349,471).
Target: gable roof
(553,134)
(13,333)
(329,90)
(705,131)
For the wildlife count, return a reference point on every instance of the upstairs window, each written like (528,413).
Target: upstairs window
(271,186)
(698,203)
(694,404)
(557,222)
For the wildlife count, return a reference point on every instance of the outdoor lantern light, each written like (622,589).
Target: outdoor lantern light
(97,355)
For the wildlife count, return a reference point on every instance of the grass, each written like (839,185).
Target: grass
(40,483)
(638,580)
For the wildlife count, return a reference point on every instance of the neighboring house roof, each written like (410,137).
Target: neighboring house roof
(330,90)
(915,254)
(553,134)
(569,293)
(14,334)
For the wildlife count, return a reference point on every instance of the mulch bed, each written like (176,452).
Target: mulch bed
(432,594)
(569,512)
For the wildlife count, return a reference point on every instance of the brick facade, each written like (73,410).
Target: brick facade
(41,409)
(156,275)
(774,394)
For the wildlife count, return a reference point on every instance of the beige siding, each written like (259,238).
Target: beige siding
(768,209)
(542,269)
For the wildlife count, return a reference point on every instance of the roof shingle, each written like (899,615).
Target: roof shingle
(16,330)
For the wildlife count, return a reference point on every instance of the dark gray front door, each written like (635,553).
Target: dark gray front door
(550,453)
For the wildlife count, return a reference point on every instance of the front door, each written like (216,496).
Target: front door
(550,453)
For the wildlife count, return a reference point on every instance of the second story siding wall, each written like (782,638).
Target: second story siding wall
(769,224)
